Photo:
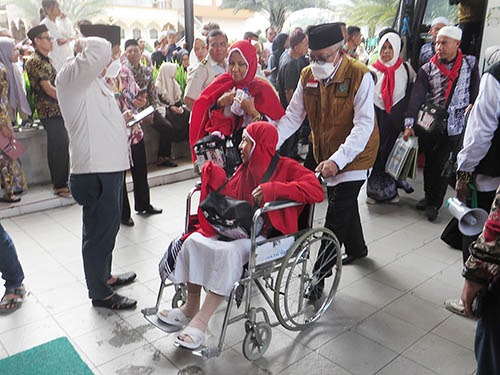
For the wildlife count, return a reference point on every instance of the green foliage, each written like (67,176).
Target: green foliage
(371,13)
(74,9)
(277,10)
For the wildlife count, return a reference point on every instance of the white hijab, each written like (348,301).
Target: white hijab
(166,85)
(401,77)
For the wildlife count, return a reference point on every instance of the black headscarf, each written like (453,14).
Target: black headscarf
(279,47)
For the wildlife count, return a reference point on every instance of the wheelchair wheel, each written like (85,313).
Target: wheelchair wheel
(317,249)
(180,296)
(257,340)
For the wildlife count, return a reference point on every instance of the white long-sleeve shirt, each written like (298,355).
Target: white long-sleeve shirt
(96,128)
(59,30)
(481,126)
(356,141)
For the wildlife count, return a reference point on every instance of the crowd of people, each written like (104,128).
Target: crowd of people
(315,86)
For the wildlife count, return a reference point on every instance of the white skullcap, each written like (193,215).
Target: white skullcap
(492,55)
(452,32)
(442,20)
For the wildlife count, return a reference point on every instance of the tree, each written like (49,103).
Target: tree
(277,10)
(74,9)
(371,13)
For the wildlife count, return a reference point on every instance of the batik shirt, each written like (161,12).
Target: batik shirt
(143,77)
(125,89)
(40,69)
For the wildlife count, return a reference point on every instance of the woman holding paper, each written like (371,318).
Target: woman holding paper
(392,90)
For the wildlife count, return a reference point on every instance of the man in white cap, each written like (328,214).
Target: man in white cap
(336,93)
(427,50)
(444,90)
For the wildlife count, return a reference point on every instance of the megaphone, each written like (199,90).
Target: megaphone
(470,220)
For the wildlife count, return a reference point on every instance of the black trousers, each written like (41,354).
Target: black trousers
(342,217)
(139,173)
(166,133)
(57,151)
(487,342)
(471,37)
(437,151)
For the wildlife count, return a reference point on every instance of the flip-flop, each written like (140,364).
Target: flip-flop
(12,199)
(196,335)
(174,317)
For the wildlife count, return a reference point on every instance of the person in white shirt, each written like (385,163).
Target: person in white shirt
(99,156)
(61,29)
(336,93)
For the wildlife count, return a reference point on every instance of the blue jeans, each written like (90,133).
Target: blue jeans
(100,194)
(10,268)
(487,344)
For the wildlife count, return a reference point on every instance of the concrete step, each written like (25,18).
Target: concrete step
(40,197)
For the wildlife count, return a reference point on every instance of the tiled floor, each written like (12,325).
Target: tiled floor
(388,316)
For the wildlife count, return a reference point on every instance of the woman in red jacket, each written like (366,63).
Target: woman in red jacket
(234,99)
(203,259)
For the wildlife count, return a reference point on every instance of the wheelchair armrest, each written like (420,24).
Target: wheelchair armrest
(279,205)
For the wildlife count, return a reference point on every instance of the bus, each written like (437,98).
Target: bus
(414,17)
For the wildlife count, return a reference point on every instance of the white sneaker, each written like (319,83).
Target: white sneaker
(455,305)
(395,199)
(370,201)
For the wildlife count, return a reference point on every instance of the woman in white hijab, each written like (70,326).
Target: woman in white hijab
(394,81)
(170,97)
(199,50)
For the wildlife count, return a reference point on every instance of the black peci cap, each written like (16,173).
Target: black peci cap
(324,35)
(109,32)
(37,30)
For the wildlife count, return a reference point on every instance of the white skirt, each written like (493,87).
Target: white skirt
(215,264)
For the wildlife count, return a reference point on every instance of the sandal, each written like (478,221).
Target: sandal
(174,317)
(12,303)
(63,192)
(196,335)
(123,279)
(10,199)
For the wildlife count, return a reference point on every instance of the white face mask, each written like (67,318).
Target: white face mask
(113,69)
(322,71)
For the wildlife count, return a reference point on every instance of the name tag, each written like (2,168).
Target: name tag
(312,83)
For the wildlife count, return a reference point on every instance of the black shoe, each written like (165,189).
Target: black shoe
(421,204)
(152,210)
(315,290)
(348,259)
(128,222)
(123,279)
(116,302)
(167,163)
(431,212)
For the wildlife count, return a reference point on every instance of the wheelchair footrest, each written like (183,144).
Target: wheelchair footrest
(150,316)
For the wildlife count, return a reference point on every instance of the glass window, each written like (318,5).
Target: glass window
(136,33)
(153,34)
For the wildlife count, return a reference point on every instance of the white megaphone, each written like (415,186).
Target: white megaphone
(470,220)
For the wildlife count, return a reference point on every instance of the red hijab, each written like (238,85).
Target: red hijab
(265,97)
(287,176)
(451,74)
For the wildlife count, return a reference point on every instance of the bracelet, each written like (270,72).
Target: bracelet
(465,177)
(257,117)
(409,123)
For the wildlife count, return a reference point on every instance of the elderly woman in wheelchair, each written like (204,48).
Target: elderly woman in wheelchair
(202,258)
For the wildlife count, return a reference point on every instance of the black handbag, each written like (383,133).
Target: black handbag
(232,218)
(433,119)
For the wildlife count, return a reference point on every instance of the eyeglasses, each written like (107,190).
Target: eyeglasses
(49,38)
(321,59)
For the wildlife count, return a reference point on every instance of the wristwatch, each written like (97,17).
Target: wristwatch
(408,123)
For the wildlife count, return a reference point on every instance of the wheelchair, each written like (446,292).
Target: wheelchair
(282,269)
